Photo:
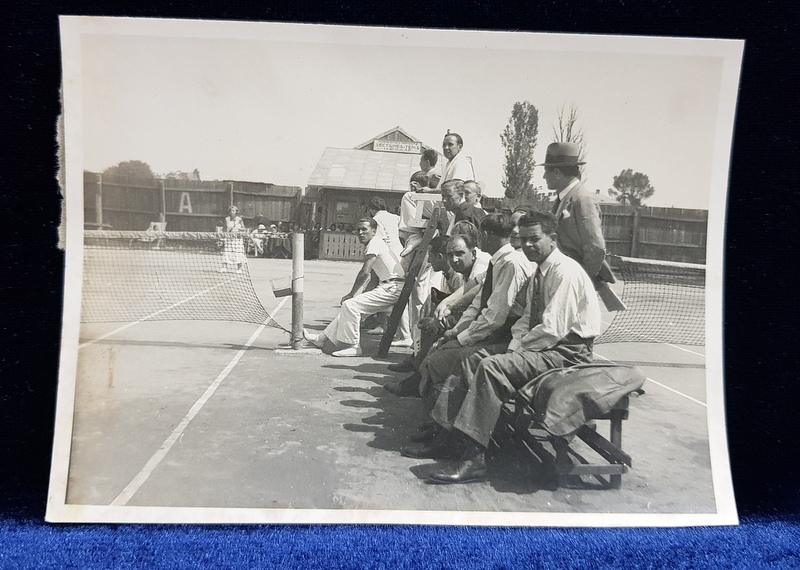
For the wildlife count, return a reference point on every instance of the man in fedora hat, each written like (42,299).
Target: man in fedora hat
(578,213)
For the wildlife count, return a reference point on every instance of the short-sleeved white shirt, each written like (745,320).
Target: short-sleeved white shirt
(388,225)
(387,263)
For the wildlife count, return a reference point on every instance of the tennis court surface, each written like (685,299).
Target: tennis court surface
(207,414)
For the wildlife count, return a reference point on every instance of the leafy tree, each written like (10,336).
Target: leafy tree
(519,141)
(131,169)
(631,188)
(567,130)
(530,197)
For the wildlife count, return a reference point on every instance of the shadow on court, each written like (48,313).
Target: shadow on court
(513,468)
(315,431)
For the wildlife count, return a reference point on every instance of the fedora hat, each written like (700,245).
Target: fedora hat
(562,154)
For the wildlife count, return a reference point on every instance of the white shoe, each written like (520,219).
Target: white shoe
(351,351)
(403,343)
(317,340)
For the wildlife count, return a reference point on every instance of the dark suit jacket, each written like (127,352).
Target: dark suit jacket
(579,233)
(470,214)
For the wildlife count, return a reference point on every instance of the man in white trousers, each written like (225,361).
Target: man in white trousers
(343,331)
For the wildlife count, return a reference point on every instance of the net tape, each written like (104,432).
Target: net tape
(131,276)
(665,302)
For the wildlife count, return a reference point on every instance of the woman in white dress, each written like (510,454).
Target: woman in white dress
(233,252)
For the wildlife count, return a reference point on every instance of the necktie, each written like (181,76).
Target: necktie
(486,290)
(537,299)
(556,204)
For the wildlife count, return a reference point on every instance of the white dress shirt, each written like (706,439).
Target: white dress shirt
(567,303)
(510,272)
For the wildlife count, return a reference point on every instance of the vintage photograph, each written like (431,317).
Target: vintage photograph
(326,274)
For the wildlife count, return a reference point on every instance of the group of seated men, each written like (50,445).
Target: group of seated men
(259,238)
(496,305)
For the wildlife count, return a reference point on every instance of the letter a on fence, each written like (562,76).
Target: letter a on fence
(186,203)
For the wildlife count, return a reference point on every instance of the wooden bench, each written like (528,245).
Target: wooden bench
(524,417)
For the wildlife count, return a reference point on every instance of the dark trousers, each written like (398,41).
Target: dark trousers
(471,401)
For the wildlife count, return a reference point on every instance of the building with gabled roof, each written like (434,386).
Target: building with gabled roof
(345,179)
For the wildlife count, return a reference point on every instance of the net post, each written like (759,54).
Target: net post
(298,241)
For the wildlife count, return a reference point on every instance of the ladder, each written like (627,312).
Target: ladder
(438,220)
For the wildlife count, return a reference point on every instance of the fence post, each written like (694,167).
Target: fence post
(163,214)
(635,233)
(98,203)
(298,255)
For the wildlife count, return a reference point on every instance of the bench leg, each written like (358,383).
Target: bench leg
(616,439)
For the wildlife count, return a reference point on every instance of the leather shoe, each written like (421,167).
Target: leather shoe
(407,387)
(465,471)
(406,365)
(425,435)
(431,450)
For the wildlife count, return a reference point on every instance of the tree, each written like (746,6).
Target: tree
(519,141)
(131,169)
(567,130)
(181,175)
(631,188)
(533,197)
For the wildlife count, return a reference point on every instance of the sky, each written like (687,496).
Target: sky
(262,109)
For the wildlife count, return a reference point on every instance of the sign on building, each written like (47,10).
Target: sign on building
(397,146)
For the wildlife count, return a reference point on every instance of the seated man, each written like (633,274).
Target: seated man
(557,329)
(465,263)
(470,264)
(471,209)
(487,322)
(516,216)
(411,231)
(257,237)
(343,331)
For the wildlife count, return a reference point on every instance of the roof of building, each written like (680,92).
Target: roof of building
(368,169)
(395,133)
(604,198)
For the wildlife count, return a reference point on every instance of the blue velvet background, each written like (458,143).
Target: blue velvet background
(761,330)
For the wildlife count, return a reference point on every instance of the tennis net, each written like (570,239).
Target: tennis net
(665,302)
(131,276)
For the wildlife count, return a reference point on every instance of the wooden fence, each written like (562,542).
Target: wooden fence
(342,246)
(186,205)
(667,234)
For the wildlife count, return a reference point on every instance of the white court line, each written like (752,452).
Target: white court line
(668,344)
(129,325)
(155,460)
(696,401)
(686,350)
